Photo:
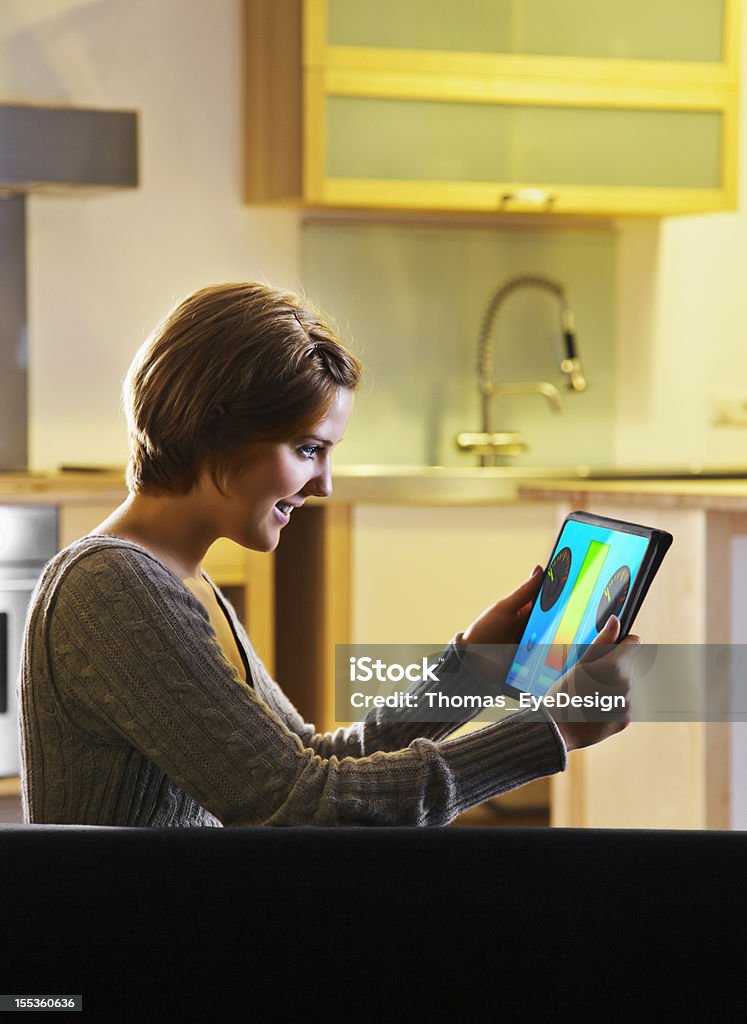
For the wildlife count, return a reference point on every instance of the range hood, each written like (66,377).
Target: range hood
(45,149)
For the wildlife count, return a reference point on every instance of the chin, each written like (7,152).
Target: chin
(252,542)
(261,543)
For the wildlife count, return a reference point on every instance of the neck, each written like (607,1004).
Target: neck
(177,528)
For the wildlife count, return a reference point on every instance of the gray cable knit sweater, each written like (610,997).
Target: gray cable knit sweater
(131,715)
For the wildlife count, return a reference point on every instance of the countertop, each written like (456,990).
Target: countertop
(406,485)
(438,485)
(708,494)
(62,488)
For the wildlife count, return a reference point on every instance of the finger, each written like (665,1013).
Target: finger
(520,620)
(606,636)
(609,632)
(525,593)
(523,613)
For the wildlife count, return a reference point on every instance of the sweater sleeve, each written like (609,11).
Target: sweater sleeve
(382,729)
(136,663)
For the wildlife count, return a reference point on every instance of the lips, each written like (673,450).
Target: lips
(283,510)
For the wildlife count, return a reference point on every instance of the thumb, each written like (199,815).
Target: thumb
(609,632)
(606,636)
(524,593)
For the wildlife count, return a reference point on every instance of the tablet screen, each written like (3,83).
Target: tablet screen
(591,573)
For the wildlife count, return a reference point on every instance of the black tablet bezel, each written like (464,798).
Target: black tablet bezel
(659,542)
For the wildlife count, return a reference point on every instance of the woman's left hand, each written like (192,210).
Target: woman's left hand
(504,622)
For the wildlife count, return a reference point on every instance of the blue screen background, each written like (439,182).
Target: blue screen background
(529,671)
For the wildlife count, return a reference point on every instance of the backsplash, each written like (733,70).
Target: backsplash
(409,299)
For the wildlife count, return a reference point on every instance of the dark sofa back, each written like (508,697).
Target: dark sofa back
(360,924)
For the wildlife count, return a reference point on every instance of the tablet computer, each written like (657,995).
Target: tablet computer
(598,567)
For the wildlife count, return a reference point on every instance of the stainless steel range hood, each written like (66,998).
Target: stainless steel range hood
(45,149)
(52,148)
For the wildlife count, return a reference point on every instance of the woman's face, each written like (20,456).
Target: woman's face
(278,477)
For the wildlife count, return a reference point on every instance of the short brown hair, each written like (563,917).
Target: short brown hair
(229,365)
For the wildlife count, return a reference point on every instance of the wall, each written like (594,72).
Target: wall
(103,269)
(411,298)
(682,332)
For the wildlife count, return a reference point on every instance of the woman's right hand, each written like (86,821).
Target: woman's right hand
(606,668)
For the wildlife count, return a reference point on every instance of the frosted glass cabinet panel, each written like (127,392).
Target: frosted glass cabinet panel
(585,107)
(408,140)
(664,30)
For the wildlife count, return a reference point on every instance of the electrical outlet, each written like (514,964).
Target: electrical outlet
(730,412)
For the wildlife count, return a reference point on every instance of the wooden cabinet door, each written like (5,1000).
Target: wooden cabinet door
(528,106)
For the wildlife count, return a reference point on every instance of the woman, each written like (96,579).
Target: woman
(142,699)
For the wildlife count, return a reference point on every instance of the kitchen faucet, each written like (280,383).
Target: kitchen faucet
(487,443)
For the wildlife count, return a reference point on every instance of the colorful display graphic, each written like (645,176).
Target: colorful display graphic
(614,596)
(555,579)
(589,578)
(577,603)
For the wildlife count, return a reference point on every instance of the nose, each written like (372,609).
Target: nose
(320,484)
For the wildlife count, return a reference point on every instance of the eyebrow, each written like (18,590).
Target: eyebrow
(316,437)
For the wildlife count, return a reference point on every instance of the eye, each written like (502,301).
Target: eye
(309,450)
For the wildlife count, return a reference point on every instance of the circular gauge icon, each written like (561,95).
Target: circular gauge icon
(614,596)
(555,579)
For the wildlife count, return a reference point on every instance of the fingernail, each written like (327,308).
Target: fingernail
(536,571)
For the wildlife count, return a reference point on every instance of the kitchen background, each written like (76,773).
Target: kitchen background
(413,299)
(660,309)
(660,305)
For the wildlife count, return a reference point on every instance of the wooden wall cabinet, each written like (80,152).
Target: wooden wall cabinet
(514,106)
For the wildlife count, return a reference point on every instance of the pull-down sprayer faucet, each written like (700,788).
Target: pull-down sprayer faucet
(487,443)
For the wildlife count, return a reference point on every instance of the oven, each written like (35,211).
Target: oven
(28,539)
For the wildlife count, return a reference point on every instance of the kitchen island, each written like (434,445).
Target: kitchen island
(417,569)
(678,774)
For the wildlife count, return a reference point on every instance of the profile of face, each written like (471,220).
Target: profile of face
(278,476)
